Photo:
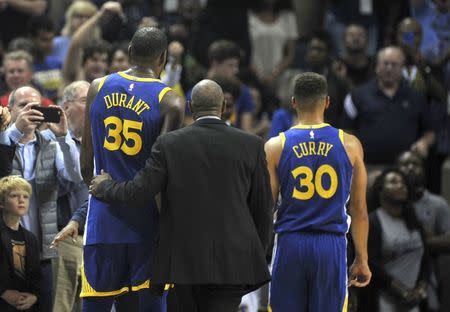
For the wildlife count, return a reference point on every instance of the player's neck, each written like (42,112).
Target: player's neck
(142,71)
(307,118)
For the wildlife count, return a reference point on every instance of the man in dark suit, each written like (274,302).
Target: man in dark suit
(216,215)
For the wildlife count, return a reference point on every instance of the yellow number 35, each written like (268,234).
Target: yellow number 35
(117,129)
(307,182)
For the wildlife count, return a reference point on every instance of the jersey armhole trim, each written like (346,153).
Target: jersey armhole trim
(282,139)
(163,92)
(341,136)
(102,81)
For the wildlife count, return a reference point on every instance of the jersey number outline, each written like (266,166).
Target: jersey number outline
(311,188)
(117,129)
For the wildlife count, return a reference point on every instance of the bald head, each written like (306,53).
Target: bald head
(20,97)
(206,99)
(390,61)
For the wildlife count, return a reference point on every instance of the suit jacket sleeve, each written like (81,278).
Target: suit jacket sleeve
(6,157)
(148,182)
(260,198)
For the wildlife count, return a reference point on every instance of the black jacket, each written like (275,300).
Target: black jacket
(32,266)
(216,215)
(6,157)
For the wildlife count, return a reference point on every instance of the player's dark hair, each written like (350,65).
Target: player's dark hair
(222,50)
(309,89)
(148,43)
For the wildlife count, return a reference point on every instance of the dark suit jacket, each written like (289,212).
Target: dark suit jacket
(32,266)
(6,158)
(216,215)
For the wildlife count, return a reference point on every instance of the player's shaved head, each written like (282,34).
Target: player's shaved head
(310,90)
(147,44)
(206,98)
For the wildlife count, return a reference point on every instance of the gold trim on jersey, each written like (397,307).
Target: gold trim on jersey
(282,139)
(88,291)
(162,93)
(345,306)
(133,78)
(341,135)
(322,125)
(102,81)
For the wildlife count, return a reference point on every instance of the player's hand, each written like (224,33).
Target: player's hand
(5,118)
(71,229)
(27,300)
(61,128)
(360,274)
(103,176)
(175,50)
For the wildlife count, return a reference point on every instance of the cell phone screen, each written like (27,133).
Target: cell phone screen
(51,114)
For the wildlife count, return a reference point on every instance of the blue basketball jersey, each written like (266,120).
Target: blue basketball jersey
(315,176)
(125,122)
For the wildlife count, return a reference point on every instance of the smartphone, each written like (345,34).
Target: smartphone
(51,114)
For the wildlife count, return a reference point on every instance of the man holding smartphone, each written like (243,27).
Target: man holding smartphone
(44,164)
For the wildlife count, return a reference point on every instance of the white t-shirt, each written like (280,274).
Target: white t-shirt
(269,39)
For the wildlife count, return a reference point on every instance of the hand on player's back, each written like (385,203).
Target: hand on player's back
(103,176)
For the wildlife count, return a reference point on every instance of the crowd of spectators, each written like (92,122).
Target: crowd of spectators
(388,69)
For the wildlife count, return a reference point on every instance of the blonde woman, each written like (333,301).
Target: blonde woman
(76,15)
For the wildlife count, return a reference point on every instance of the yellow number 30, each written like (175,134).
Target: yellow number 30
(115,131)
(307,181)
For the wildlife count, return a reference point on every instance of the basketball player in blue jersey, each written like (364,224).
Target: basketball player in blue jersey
(125,113)
(316,168)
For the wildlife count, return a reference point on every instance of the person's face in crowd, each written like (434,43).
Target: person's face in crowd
(16,203)
(78,19)
(317,53)
(355,39)
(389,66)
(23,97)
(442,6)
(17,73)
(119,62)
(412,166)
(44,42)
(229,106)
(409,34)
(227,68)
(95,66)
(394,189)
(75,110)
(148,21)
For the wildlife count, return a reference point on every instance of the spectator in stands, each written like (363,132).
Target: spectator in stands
(118,59)
(273,33)
(86,59)
(358,63)
(76,15)
(13,17)
(44,164)
(47,69)
(20,272)
(387,115)
(432,211)
(318,60)
(18,67)
(231,88)
(398,257)
(418,72)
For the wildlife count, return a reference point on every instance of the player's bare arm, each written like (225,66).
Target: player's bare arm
(273,149)
(172,112)
(87,151)
(360,274)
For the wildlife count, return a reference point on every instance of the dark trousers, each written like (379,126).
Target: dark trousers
(204,298)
